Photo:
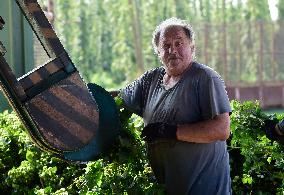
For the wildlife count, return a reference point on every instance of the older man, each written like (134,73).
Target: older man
(186,109)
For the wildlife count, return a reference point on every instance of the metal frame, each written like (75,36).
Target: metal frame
(31,96)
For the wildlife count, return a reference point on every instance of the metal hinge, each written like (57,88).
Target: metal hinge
(2,49)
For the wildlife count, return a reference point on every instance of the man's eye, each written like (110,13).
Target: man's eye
(166,46)
(178,43)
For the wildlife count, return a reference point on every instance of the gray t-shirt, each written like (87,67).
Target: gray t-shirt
(185,167)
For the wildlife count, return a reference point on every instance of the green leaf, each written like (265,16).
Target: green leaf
(29,155)
(269,160)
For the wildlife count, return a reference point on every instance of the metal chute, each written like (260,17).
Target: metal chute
(62,114)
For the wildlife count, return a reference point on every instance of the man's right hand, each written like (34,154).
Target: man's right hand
(159,130)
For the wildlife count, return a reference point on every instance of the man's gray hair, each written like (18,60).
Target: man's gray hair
(169,23)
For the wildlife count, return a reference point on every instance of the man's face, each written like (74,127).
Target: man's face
(175,50)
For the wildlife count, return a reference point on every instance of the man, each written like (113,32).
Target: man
(275,130)
(186,112)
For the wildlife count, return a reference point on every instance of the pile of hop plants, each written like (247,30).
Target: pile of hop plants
(126,168)
(257,165)
(25,169)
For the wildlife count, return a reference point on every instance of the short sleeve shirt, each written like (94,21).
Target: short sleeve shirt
(185,168)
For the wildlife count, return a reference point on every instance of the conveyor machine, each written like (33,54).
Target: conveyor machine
(63,115)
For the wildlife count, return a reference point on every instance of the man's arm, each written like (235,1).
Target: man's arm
(207,131)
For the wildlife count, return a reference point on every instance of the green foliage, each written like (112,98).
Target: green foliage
(126,169)
(257,165)
(24,169)
(100,36)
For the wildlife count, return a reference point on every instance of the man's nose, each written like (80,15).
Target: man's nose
(172,49)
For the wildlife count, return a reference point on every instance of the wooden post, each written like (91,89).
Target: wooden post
(239,61)
(206,34)
(225,68)
(272,57)
(137,35)
(260,63)
(283,96)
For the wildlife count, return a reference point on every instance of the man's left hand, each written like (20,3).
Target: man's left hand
(158,130)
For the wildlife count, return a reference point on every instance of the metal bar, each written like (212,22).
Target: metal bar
(11,92)
(41,27)
(2,48)
(9,80)
(16,95)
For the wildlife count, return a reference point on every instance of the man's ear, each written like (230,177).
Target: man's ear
(158,52)
(192,48)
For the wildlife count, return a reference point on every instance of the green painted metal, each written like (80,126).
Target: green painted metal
(17,37)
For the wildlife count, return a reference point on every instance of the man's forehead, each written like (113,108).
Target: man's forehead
(172,32)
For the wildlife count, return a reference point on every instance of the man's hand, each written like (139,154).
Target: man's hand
(155,131)
(271,132)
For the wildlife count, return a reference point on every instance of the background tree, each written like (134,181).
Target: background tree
(110,41)
(278,57)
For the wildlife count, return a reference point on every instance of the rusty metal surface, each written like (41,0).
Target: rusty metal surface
(41,27)
(66,114)
(57,108)
(36,76)
(9,80)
